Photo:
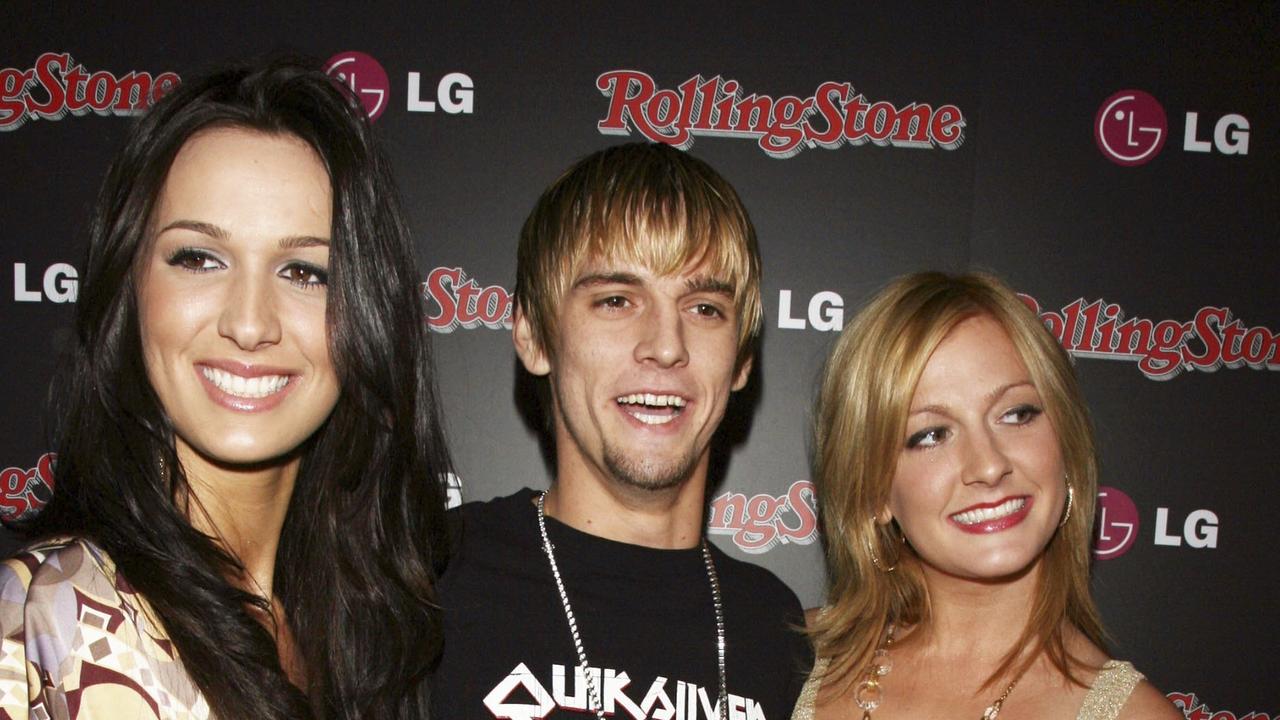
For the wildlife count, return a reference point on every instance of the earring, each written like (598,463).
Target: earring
(876,561)
(1070,496)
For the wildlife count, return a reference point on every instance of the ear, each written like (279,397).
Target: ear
(527,344)
(744,372)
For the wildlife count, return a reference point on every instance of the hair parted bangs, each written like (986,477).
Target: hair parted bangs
(860,425)
(643,204)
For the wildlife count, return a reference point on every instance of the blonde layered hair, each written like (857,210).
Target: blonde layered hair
(649,205)
(859,432)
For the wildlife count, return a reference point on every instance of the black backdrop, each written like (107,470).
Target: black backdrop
(1160,275)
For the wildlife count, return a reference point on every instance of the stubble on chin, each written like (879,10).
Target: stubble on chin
(648,473)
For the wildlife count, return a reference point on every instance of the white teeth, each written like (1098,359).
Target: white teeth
(652,400)
(653,419)
(255,387)
(973,517)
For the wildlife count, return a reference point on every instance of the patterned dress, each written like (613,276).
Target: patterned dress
(79,642)
(1111,688)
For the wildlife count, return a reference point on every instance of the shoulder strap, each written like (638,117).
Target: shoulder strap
(809,694)
(1111,688)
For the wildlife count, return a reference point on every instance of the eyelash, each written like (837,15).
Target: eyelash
(715,310)
(941,433)
(613,302)
(914,441)
(182,256)
(320,274)
(1032,412)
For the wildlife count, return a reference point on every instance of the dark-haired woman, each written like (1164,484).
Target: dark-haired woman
(248,512)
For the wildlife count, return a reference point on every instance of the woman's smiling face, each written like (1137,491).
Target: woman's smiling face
(231,295)
(979,488)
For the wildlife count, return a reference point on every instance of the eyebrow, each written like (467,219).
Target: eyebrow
(302,241)
(203,228)
(706,283)
(989,397)
(290,242)
(701,283)
(611,278)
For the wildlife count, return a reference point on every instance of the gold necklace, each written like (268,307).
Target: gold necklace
(868,695)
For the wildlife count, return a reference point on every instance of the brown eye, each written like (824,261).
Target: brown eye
(927,438)
(193,260)
(305,275)
(1021,415)
(613,302)
(708,310)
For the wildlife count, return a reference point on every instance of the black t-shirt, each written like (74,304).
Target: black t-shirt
(646,619)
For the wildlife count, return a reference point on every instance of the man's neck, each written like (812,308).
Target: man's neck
(668,519)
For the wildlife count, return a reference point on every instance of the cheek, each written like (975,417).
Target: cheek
(163,323)
(920,486)
(309,330)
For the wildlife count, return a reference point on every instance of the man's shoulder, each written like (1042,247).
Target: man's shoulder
(764,587)
(484,518)
(489,531)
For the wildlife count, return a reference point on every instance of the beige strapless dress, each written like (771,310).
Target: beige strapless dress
(1111,688)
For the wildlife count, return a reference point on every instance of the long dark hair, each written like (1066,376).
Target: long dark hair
(364,534)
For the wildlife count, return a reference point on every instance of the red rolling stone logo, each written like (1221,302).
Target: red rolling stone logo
(365,77)
(1116,524)
(25,490)
(1130,128)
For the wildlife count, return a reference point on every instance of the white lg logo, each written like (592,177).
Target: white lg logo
(826,312)
(60,284)
(1230,135)
(455,93)
(1200,529)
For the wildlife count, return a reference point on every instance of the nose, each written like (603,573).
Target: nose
(249,317)
(662,340)
(985,461)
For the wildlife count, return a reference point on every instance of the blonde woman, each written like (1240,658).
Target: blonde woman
(956,473)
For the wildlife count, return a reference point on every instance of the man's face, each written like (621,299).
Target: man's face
(642,373)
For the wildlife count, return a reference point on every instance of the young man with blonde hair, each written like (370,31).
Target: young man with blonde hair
(638,300)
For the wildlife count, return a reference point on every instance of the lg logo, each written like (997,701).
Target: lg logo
(1117,526)
(365,76)
(825,312)
(1131,128)
(60,284)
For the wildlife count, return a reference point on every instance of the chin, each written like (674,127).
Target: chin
(249,453)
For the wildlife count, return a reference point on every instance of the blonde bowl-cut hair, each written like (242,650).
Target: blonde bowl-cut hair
(860,426)
(645,204)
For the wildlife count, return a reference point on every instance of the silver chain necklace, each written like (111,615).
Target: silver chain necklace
(593,693)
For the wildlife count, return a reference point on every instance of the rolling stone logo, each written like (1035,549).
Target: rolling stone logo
(834,115)
(760,522)
(57,85)
(1195,709)
(1162,349)
(454,300)
(23,490)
